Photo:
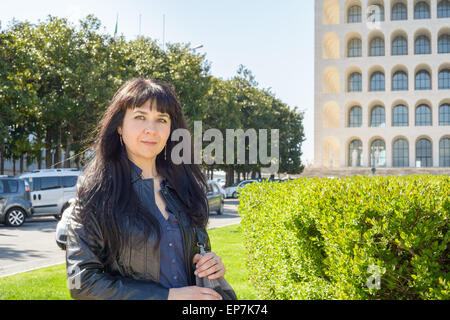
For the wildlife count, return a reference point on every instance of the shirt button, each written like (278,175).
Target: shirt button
(173,260)
(175,277)
(170,244)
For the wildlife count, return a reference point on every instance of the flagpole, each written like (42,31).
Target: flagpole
(164,31)
(139,25)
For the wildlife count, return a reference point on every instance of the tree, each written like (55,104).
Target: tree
(18,90)
(57,79)
(79,76)
(222,111)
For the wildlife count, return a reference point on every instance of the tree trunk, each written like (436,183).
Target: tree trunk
(229,177)
(14,165)
(2,160)
(40,160)
(77,161)
(48,155)
(68,150)
(21,163)
(58,153)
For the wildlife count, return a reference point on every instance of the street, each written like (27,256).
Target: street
(33,245)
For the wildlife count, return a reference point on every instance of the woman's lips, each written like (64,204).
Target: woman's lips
(149,143)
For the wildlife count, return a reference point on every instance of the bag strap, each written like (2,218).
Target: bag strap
(200,241)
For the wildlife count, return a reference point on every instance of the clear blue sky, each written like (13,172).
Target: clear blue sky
(274,39)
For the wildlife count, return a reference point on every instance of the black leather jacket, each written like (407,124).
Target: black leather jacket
(135,274)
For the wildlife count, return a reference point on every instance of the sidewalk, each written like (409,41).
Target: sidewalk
(220,222)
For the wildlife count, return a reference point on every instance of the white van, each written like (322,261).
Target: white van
(51,190)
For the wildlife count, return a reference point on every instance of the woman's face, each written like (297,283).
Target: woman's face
(145,132)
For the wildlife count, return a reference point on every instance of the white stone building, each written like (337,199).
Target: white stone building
(382,83)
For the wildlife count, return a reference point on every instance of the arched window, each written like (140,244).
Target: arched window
(354,48)
(400,116)
(400,153)
(399,46)
(399,12)
(422,45)
(399,81)
(377,117)
(355,117)
(355,146)
(423,80)
(443,9)
(422,10)
(378,154)
(444,115)
(355,82)
(444,152)
(444,79)
(354,14)
(444,43)
(377,82)
(377,47)
(423,115)
(424,157)
(376,13)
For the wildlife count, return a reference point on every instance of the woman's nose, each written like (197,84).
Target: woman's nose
(150,127)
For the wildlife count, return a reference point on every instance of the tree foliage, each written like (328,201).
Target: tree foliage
(56,79)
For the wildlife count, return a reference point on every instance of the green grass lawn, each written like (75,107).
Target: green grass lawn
(51,283)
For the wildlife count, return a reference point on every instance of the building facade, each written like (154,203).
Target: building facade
(382,83)
(11,167)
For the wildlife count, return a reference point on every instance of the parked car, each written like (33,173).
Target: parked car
(232,192)
(63,224)
(220,181)
(215,203)
(51,190)
(15,203)
(215,198)
(219,187)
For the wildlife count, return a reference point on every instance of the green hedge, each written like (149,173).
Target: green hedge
(318,238)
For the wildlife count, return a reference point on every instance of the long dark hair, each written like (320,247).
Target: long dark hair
(106,187)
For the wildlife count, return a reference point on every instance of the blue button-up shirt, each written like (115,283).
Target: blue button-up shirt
(172,262)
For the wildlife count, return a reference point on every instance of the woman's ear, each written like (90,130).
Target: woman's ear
(119,130)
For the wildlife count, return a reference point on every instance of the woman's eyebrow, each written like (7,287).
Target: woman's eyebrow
(160,114)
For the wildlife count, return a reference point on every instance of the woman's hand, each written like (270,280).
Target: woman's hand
(193,293)
(209,265)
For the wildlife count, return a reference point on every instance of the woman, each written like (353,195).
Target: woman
(133,232)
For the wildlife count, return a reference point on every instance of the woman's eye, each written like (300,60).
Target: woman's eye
(143,118)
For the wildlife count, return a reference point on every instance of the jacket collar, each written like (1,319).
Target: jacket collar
(136,175)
